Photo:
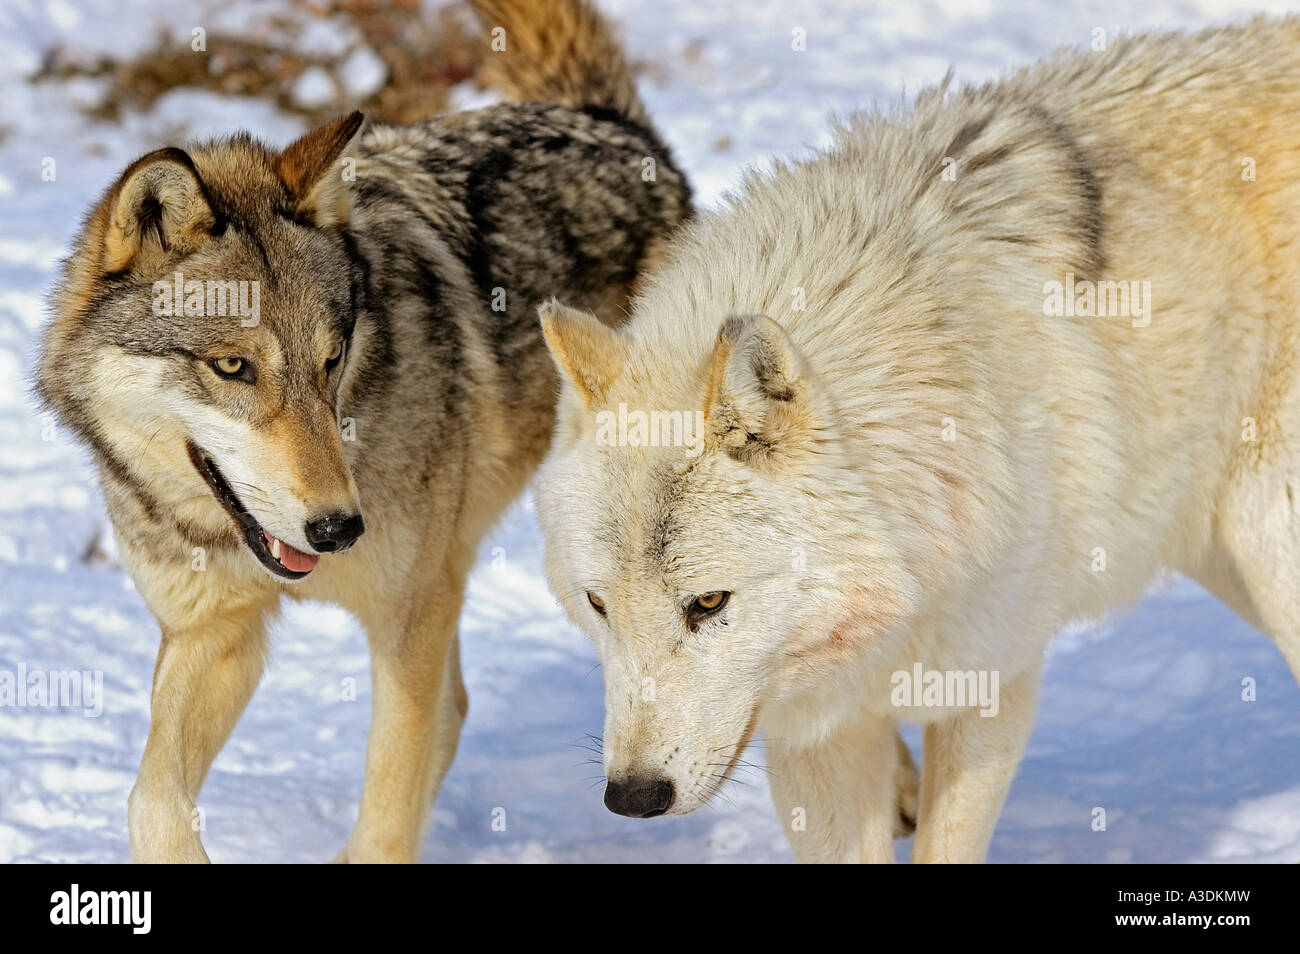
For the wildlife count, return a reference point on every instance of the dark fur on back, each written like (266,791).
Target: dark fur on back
(461,227)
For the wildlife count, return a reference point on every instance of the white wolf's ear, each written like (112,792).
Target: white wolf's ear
(310,169)
(758,398)
(157,206)
(588,352)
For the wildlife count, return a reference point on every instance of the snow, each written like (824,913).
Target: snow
(363,73)
(1141,715)
(313,88)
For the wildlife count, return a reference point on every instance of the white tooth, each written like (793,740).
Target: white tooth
(275,547)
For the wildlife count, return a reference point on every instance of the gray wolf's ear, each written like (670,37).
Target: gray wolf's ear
(758,397)
(310,170)
(588,352)
(157,206)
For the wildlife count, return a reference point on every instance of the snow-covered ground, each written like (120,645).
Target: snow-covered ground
(1142,716)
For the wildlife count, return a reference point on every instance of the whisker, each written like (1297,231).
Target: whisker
(151,437)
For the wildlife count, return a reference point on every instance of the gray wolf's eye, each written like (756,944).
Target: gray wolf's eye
(234,368)
(704,606)
(335,356)
(596,602)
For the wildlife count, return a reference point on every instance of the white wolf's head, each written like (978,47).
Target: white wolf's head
(712,582)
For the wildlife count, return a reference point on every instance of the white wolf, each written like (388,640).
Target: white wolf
(911,460)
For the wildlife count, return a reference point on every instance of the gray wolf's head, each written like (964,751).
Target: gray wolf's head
(200,339)
(717,573)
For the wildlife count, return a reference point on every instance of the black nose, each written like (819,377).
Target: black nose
(639,797)
(334,532)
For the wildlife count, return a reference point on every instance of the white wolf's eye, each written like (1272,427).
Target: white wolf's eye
(596,602)
(704,606)
(711,601)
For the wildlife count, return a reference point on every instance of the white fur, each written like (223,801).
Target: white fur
(935,464)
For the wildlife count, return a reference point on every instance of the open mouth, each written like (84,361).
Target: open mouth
(277,556)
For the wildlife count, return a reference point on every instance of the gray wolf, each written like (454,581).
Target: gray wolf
(277,356)
(918,458)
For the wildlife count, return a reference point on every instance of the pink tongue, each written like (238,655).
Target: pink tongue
(296,560)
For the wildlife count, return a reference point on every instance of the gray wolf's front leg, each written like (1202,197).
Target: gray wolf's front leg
(203,680)
(419,707)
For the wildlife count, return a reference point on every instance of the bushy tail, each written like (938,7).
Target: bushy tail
(558,51)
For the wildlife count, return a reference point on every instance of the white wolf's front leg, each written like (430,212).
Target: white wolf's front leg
(969,762)
(202,683)
(839,799)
